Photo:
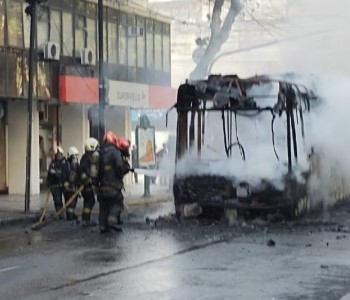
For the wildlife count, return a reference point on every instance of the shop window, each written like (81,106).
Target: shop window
(112,42)
(55,28)
(91,34)
(122,46)
(67,33)
(80,32)
(2,23)
(141,43)
(15,73)
(2,71)
(149,44)
(14,23)
(42,25)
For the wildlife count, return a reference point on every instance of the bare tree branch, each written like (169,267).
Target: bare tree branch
(218,37)
(216,17)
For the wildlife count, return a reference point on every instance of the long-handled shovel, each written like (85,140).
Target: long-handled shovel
(44,210)
(42,224)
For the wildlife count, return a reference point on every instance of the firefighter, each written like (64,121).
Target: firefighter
(58,170)
(89,166)
(113,167)
(71,181)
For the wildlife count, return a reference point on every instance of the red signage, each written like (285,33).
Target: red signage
(76,89)
(161,96)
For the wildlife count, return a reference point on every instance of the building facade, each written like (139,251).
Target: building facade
(136,53)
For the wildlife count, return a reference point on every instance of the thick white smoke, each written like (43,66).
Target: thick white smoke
(329,136)
(255,135)
(324,53)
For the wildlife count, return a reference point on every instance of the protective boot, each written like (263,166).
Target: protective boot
(57,208)
(103,217)
(114,223)
(71,214)
(87,222)
(90,223)
(120,222)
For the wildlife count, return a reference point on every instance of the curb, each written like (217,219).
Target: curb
(146,202)
(133,205)
(19,220)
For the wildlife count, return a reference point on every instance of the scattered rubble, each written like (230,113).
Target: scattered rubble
(271,243)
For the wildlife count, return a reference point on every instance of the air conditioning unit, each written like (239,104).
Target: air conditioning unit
(132,31)
(88,57)
(52,51)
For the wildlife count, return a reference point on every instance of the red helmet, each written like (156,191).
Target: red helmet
(110,138)
(123,144)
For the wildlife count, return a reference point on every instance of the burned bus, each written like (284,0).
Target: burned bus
(241,146)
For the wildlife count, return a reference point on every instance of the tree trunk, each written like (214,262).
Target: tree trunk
(219,35)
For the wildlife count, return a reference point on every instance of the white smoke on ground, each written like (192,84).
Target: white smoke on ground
(325,55)
(331,141)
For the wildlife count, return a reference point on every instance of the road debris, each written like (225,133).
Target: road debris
(271,243)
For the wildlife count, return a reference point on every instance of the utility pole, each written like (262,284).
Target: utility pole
(31,11)
(102,83)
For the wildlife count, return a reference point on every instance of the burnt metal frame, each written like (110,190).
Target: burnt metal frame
(193,96)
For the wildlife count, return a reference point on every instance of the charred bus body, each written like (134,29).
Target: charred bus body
(240,172)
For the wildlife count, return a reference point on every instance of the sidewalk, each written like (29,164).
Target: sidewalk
(12,206)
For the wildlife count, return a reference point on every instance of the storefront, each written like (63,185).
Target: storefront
(134,100)
(136,50)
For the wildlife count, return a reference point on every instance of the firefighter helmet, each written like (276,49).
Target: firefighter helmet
(91,144)
(59,149)
(123,144)
(110,138)
(72,151)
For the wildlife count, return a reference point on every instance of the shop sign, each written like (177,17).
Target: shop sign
(77,89)
(152,114)
(162,96)
(128,94)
